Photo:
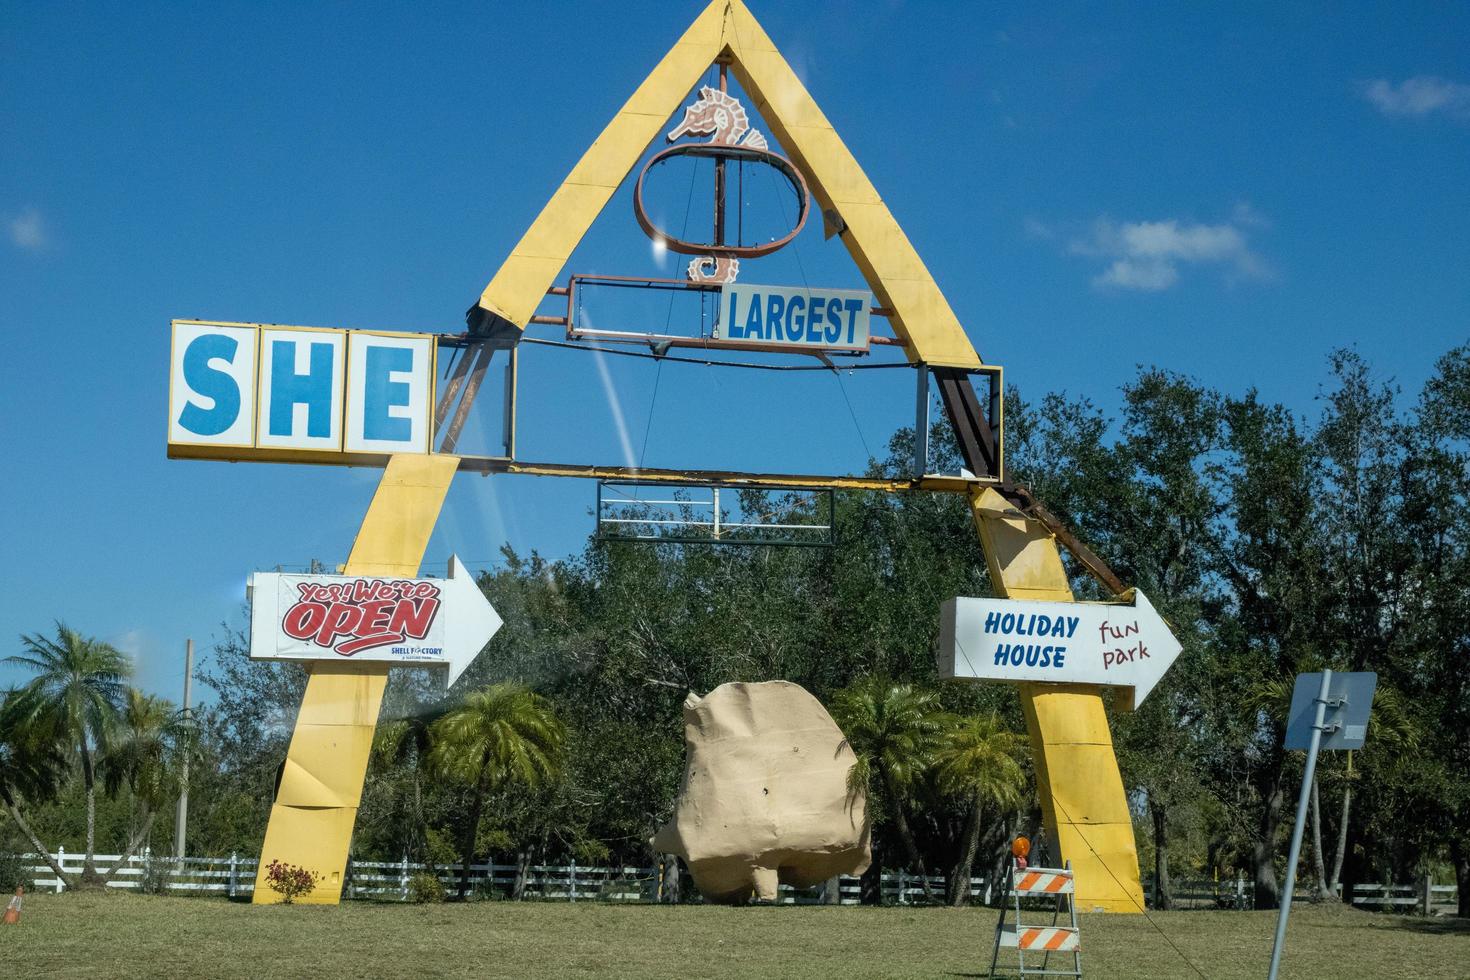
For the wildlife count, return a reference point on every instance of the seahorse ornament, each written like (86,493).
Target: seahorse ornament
(720,116)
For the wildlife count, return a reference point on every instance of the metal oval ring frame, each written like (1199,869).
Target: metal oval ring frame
(742,153)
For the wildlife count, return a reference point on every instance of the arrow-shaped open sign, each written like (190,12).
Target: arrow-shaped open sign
(1059,642)
(406,621)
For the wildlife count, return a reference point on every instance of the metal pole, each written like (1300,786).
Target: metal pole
(921,420)
(720,177)
(1296,832)
(181,821)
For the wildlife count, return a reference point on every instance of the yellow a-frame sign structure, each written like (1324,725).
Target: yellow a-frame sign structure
(1081,790)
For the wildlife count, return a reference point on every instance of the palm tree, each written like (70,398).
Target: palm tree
(978,761)
(501,735)
(31,765)
(407,741)
(75,695)
(151,742)
(895,730)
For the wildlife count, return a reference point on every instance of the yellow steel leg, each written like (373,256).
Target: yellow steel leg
(316,805)
(1082,798)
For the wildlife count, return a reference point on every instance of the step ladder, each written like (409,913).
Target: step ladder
(1039,940)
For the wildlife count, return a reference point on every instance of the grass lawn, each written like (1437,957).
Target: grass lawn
(92,935)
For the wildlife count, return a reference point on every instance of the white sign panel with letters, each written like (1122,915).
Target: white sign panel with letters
(390,413)
(302,380)
(403,621)
(212,386)
(1115,644)
(794,317)
(249,391)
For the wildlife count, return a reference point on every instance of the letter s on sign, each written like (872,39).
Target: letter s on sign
(211,383)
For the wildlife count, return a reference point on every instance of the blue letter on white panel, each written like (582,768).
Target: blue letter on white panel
(381,394)
(312,389)
(391,385)
(302,380)
(211,385)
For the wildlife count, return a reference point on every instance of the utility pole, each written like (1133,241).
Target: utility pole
(181,821)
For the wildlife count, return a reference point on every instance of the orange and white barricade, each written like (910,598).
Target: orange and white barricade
(1039,939)
(1042,881)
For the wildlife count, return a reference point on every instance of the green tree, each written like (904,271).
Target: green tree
(31,766)
(403,744)
(896,730)
(500,736)
(977,761)
(76,692)
(1437,518)
(1270,552)
(146,754)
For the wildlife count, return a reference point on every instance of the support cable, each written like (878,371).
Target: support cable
(707,362)
(801,268)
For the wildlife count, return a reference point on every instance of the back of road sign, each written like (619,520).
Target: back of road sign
(1345,724)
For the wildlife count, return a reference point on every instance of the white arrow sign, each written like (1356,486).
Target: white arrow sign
(407,621)
(1059,642)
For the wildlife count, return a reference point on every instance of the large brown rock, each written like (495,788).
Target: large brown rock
(764,797)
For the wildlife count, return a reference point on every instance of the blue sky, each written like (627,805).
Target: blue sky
(1226,190)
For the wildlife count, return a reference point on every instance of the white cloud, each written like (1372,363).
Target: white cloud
(1148,275)
(27,230)
(1147,255)
(1419,96)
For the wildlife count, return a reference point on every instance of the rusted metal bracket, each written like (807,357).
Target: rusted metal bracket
(480,355)
(971,423)
(1027,503)
(978,445)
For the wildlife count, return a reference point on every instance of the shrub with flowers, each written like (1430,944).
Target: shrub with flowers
(289,880)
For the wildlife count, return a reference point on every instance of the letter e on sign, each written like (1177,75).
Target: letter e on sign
(212,386)
(389,381)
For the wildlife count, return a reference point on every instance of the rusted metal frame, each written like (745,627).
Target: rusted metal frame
(659,282)
(971,424)
(1029,506)
(477,376)
(697,343)
(977,445)
(720,151)
(641,337)
(451,390)
(769,481)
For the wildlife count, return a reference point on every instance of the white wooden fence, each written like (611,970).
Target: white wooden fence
(234,877)
(1426,898)
(1203,893)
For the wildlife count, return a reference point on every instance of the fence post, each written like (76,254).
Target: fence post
(403,879)
(60,863)
(832,891)
(572,878)
(903,886)
(1428,893)
(234,873)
